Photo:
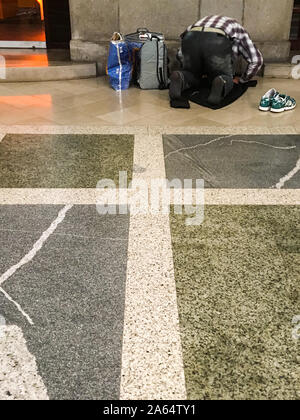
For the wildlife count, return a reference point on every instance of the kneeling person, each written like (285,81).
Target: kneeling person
(208,49)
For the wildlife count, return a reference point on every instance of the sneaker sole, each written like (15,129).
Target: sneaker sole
(264,109)
(277,111)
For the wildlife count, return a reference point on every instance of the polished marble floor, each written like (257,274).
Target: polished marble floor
(145,306)
(93,102)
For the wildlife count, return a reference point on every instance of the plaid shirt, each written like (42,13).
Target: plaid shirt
(241,42)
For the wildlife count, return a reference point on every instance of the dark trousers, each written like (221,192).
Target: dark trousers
(207,54)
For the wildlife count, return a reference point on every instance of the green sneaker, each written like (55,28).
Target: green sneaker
(267,99)
(283,103)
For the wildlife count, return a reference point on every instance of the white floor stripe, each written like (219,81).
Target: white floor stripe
(252,197)
(72,129)
(145,130)
(90,197)
(31,254)
(289,176)
(152,364)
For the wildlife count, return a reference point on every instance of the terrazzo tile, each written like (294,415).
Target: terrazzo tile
(233,160)
(152,366)
(63,161)
(237,280)
(19,377)
(74,292)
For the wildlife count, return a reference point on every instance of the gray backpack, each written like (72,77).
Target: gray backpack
(151,59)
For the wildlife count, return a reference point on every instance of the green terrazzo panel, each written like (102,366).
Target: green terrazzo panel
(238,287)
(63,161)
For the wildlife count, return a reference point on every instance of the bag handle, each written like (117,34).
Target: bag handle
(142,30)
(117,37)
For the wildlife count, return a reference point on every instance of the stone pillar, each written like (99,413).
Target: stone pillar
(94,21)
(171,17)
(269,23)
(232,8)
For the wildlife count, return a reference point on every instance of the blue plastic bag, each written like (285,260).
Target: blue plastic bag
(119,66)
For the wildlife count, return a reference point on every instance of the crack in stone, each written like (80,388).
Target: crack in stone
(288,176)
(197,145)
(30,256)
(263,144)
(231,143)
(18,306)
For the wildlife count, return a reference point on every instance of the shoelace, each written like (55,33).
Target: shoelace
(290,99)
(280,98)
(284,99)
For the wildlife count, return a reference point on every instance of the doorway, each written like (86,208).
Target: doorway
(295,30)
(57,24)
(35,24)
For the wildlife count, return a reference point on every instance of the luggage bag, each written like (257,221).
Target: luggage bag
(151,59)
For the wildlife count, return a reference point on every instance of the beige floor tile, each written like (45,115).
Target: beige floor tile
(80,86)
(36,121)
(173,117)
(69,117)
(7,108)
(28,103)
(83,110)
(202,122)
(32,88)
(54,111)
(147,109)
(122,117)
(229,115)
(269,119)
(18,101)
(93,101)
(15,116)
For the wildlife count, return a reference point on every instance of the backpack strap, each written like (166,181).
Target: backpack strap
(159,70)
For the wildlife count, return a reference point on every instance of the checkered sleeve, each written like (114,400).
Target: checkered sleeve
(252,55)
